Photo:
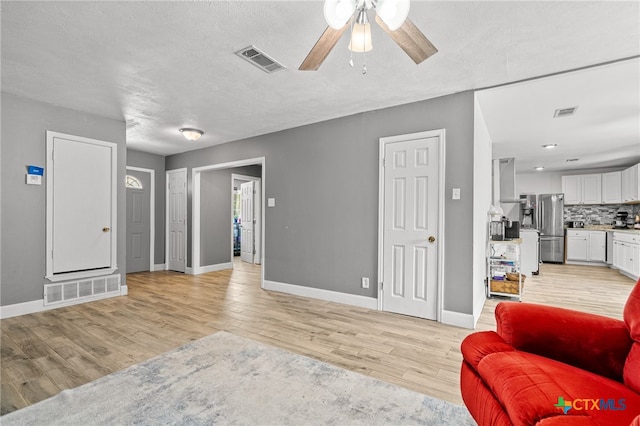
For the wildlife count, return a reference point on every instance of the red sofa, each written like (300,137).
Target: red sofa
(549,366)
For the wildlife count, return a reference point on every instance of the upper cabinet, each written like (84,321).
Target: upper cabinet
(582,189)
(606,188)
(631,184)
(612,188)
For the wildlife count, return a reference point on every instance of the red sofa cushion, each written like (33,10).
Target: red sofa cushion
(529,386)
(631,372)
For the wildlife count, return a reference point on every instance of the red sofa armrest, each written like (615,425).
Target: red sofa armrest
(592,342)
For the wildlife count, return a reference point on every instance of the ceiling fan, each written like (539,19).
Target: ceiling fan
(391,16)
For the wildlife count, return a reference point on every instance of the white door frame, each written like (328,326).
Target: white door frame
(166,215)
(258,224)
(195,209)
(440,134)
(152,212)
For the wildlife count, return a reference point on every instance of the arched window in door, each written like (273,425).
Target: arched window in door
(132,182)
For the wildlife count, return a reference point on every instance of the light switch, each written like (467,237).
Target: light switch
(455,194)
(271,202)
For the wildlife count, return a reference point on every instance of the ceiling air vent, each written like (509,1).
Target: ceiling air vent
(260,59)
(565,112)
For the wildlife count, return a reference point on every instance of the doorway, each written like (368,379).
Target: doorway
(140,187)
(246,217)
(411,223)
(198,202)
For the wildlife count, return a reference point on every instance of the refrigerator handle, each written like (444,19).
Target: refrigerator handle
(541,215)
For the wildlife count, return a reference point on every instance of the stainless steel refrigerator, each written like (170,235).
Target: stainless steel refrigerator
(551,227)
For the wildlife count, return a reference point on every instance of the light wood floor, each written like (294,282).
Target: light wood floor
(47,352)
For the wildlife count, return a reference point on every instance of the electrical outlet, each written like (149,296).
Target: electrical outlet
(365,282)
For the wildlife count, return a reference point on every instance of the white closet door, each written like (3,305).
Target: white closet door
(82,205)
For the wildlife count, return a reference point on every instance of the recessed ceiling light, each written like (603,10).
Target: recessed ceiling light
(564,112)
(571,160)
(538,168)
(550,145)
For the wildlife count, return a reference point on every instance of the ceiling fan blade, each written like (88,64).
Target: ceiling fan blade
(410,39)
(322,48)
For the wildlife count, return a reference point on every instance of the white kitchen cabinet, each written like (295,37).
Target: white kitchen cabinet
(597,246)
(631,184)
(612,188)
(626,253)
(582,189)
(578,245)
(586,246)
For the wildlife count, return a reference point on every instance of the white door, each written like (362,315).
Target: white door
(83,221)
(247,242)
(177,219)
(410,236)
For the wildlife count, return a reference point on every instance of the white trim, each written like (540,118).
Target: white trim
(49,274)
(82,274)
(166,214)
(440,134)
(34,306)
(214,268)
(159,267)
(317,293)
(152,212)
(195,203)
(477,311)
(457,319)
(188,270)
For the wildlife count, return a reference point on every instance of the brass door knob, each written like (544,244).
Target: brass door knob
(432,239)
(106,229)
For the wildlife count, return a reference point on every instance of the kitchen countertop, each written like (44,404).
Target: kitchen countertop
(608,228)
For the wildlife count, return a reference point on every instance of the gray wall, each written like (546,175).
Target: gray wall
(24,126)
(323,230)
(215,213)
(154,162)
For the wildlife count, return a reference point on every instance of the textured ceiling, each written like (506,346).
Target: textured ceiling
(165,65)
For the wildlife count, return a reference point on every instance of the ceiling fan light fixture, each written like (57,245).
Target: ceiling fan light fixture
(393,12)
(191,134)
(361,35)
(338,12)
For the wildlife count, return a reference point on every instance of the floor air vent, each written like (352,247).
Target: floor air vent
(260,59)
(84,289)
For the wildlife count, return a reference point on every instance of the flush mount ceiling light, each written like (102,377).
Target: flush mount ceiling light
(550,145)
(538,168)
(191,134)
(391,16)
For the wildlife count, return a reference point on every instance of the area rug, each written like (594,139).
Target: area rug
(227,379)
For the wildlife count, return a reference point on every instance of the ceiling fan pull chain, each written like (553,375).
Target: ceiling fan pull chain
(364,51)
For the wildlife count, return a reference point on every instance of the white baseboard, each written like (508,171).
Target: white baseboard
(188,270)
(159,267)
(458,319)
(212,268)
(34,306)
(328,295)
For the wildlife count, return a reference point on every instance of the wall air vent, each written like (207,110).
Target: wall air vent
(258,58)
(565,112)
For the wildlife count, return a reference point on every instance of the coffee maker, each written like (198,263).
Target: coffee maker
(528,203)
(621,220)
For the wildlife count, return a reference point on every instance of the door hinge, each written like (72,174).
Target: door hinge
(381,285)
(384,161)
(254,251)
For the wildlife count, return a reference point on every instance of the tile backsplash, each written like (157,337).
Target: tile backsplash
(599,214)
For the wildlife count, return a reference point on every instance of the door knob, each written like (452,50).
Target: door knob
(432,239)
(106,229)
